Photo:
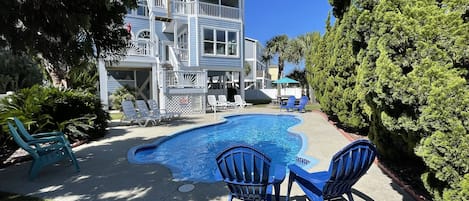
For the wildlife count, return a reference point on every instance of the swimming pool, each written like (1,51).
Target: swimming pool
(191,154)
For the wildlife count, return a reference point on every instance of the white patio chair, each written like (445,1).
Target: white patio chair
(222,100)
(131,115)
(153,105)
(240,103)
(213,103)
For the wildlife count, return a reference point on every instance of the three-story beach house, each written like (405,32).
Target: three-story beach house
(180,50)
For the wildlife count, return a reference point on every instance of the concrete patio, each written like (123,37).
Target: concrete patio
(107,175)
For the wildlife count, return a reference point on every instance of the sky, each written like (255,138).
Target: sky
(265,19)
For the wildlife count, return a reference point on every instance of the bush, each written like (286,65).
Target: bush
(78,114)
(122,93)
(400,68)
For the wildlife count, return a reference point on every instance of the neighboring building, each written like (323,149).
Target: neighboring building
(273,72)
(255,69)
(181,50)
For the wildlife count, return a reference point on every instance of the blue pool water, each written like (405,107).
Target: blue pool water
(191,154)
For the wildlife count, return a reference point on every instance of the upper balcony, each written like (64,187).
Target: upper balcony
(227,9)
(141,48)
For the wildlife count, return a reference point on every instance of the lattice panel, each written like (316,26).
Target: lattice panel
(185,104)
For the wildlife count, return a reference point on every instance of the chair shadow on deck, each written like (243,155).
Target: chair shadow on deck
(355,192)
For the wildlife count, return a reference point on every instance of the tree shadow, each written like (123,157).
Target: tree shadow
(106,174)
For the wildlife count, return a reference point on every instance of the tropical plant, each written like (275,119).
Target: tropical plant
(277,47)
(122,93)
(78,114)
(84,78)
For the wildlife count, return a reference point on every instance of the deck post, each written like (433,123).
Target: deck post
(103,94)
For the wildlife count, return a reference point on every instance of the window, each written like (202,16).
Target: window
(142,8)
(144,34)
(220,42)
(208,41)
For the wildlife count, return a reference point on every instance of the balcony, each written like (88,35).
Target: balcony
(140,48)
(201,9)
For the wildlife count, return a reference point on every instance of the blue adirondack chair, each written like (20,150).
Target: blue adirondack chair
(289,105)
(44,151)
(249,174)
(302,104)
(346,167)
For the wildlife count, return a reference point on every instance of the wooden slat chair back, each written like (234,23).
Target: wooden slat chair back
(246,172)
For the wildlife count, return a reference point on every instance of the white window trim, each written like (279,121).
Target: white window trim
(140,32)
(226,55)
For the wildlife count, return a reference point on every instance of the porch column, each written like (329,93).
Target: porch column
(154,81)
(241,84)
(161,85)
(103,94)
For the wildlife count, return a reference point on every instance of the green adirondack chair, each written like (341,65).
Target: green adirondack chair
(30,137)
(45,151)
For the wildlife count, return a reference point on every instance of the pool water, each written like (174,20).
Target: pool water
(191,154)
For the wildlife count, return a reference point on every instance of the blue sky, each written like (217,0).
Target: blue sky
(265,19)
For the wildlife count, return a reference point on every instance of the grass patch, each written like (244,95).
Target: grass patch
(313,106)
(4,196)
(115,115)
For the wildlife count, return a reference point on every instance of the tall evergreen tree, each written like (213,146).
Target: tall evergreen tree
(406,63)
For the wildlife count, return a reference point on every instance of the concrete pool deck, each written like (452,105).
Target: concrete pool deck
(107,175)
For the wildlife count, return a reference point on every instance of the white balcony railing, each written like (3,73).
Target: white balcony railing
(160,3)
(185,79)
(140,47)
(200,8)
(215,10)
(183,54)
(184,8)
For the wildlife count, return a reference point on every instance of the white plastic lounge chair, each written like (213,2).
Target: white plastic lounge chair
(130,114)
(239,102)
(145,112)
(213,103)
(153,105)
(223,101)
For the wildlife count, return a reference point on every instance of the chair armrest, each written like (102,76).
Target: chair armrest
(54,139)
(317,177)
(279,172)
(54,133)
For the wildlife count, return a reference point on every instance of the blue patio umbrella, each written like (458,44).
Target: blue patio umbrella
(284,80)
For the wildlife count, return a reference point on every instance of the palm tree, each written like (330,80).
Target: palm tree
(298,50)
(277,46)
(300,47)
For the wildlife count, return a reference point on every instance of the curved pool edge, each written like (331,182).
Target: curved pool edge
(300,156)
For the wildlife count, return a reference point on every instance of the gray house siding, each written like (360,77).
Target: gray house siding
(192,41)
(138,24)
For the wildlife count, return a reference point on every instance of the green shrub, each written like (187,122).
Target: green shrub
(401,68)
(78,114)
(122,93)
(84,77)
